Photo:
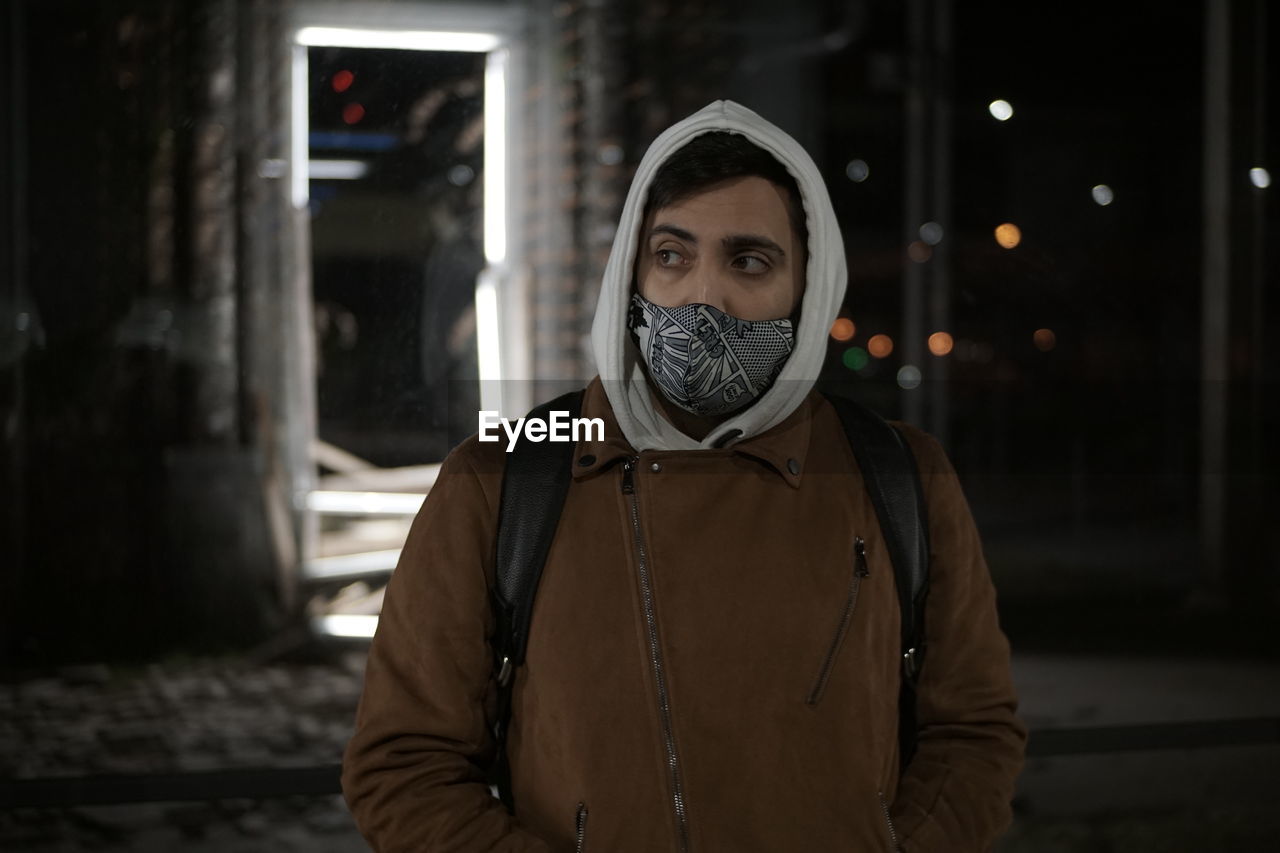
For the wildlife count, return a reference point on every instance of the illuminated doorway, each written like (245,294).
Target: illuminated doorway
(400,141)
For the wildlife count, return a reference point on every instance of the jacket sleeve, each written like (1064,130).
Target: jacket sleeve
(414,771)
(955,795)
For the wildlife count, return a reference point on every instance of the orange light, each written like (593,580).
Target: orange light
(1008,235)
(352,113)
(342,80)
(843,329)
(919,251)
(1044,339)
(940,343)
(880,345)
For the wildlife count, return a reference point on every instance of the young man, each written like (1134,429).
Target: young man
(713,661)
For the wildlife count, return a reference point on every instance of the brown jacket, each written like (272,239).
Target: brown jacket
(710,667)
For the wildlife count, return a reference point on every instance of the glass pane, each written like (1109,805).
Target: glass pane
(396,142)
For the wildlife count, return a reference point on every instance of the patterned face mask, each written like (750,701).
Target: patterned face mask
(706,361)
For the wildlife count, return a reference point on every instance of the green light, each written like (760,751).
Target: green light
(855,358)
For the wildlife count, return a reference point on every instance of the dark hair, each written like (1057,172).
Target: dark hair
(720,156)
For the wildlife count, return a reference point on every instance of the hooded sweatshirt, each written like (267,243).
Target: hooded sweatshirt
(617,359)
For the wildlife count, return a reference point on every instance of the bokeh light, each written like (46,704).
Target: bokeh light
(843,329)
(1044,339)
(880,346)
(610,154)
(1008,235)
(855,358)
(1001,110)
(342,81)
(931,233)
(857,171)
(461,175)
(1103,195)
(908,377)
(353,113)
(1260,177)
(940,343)
(919,252)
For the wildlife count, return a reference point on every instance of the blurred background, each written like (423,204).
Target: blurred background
(261,263)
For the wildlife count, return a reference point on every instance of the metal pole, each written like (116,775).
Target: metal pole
(213,272)
(940,264)
(13,249)
(1215,287)
(1258,225)
(917,119)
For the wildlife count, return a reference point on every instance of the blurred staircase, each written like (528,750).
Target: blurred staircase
(363,514)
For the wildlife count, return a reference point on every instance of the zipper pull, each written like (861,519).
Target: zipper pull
(860,556)
(628,485)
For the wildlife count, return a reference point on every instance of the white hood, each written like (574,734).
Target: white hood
(616,356)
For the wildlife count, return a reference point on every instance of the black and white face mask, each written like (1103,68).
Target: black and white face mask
(706,361)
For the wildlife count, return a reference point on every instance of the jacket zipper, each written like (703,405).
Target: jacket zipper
(580,829)
(859,572)
(655,656)
(893,833)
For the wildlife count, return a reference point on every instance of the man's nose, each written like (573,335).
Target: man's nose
(708,286)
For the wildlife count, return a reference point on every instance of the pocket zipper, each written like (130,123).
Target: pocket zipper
(893,833)
(580,828)
(860,571)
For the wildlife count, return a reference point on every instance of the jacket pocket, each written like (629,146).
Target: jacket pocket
(850,603)
(580,829)
(888,822)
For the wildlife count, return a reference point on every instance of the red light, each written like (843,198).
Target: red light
(352,113)
(342,81)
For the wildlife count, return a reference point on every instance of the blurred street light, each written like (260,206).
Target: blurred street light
(843,329)
(940,343)
(1001,110)
(1008,235)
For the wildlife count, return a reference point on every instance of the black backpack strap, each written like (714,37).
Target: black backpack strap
(893,482)
(534,484)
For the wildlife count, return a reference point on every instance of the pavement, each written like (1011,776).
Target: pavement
(1195,798)
(206,714)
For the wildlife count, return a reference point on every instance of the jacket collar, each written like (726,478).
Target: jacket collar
(784,447)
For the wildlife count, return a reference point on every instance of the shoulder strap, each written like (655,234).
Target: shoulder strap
(534,484)
(889,472)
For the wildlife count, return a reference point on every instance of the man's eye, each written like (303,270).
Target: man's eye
(751,264)
(668,257)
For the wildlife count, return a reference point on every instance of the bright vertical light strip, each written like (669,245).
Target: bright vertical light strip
(300,143)
(495,157)
(489,354)
(495,230)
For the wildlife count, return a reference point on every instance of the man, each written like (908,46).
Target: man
(713,660)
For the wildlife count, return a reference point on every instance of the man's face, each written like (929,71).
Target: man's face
(731,246)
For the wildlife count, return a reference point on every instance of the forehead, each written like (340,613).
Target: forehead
(749,205)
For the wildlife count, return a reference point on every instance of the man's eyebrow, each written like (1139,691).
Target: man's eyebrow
(736,242)
(674,231)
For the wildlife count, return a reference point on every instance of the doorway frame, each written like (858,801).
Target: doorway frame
(504,339)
